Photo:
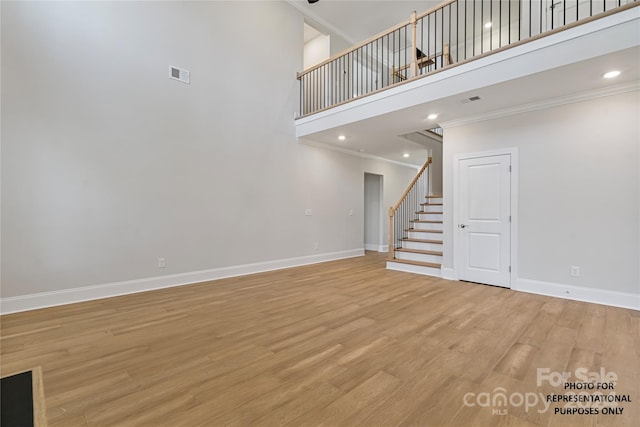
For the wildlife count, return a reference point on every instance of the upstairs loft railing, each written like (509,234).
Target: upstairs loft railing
(403,212)
(454,32)
(437,130)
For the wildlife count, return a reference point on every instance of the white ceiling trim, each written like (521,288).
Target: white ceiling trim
(547,103)
(355,153)
(321,21)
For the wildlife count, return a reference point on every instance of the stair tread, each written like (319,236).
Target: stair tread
(423,221)
(417,230)
(419,263)
(435,196)
(423,212)
(419,251)
(430,204)
(407,239)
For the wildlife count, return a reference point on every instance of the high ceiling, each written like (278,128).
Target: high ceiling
(357,20)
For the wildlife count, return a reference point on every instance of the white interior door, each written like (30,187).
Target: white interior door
(484,218)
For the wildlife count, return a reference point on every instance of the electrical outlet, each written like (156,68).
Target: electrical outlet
(308,212)
(350,212)
(575,271)
(161,263)
(315,246)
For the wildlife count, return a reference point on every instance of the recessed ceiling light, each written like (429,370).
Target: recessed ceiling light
(487,25)
(432,116)
(405,155)
(342,137)
(611,74)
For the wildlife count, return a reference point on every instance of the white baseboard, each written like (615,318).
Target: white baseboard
(449,273)
(87,293)
(377,248)
(577,293)
(416,269)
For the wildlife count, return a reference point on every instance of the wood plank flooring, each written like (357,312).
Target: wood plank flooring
(343,343)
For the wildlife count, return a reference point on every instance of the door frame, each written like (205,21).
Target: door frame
(457,254)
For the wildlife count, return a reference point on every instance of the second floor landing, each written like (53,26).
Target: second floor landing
(562,66)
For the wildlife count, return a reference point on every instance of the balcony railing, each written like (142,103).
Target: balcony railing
(454,32)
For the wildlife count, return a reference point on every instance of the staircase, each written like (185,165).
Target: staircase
(420,248)
(415,229)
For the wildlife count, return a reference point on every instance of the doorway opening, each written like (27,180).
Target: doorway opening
(373,213)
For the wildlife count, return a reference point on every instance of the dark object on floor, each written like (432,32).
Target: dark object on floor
(16,395)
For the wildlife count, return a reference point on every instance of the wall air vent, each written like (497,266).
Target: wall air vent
(179,74)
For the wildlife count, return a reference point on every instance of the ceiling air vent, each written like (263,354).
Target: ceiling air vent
(467,100)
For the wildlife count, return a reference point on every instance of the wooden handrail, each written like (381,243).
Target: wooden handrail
(435,8)
(394,208)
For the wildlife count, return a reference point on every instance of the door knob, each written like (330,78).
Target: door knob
(463,225)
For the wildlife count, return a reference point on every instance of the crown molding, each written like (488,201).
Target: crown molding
(548,103)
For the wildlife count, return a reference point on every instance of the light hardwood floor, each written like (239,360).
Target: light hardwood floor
(343,343)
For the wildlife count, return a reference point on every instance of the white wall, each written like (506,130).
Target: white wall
(107,164)
(578,192)
(435,169)
(316,50)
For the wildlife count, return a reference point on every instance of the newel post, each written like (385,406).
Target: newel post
(392,246)
(414,44)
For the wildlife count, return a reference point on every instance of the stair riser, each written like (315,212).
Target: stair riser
(429,217)
(424,236)
(422,246)
(430,208)
(438,200)
(414,269)
(419,257)
(427,226)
